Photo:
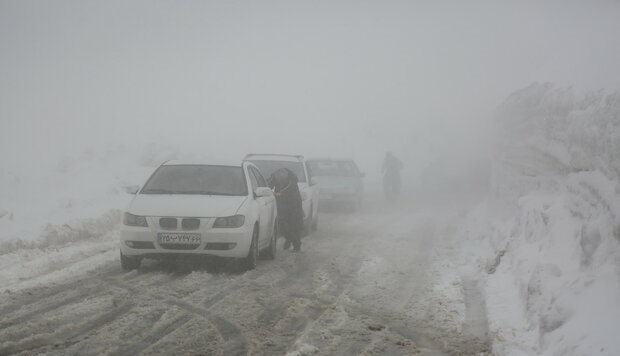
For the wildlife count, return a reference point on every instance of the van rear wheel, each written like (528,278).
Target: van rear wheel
(129,263)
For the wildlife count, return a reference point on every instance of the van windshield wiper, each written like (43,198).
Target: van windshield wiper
(157,191)
(205,192)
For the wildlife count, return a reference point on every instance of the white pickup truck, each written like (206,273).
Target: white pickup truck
(269,163)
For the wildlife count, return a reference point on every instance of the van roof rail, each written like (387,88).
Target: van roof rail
(273,154)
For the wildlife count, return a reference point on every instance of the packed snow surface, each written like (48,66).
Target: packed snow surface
(378,281)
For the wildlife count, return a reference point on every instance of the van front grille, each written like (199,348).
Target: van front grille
(168,223)
(190,224)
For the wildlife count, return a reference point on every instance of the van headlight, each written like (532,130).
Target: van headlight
(229,222)
(134,220)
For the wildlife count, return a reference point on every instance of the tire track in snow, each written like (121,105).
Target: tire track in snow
(331,269)
(70,334)
(342,274)
(234,340)
(49,307)
(393,323)
(476,324)
(61,298)
(30,297)
(210,302)
(84,288)
(36,294)
(155,336)
(98,322)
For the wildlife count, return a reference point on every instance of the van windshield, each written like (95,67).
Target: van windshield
(196,179)
(332,168)
(268,167)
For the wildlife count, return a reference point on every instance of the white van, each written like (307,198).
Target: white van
(339,180)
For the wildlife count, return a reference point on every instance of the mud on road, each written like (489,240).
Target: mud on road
(375,282)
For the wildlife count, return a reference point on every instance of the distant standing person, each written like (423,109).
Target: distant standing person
(391,176)
(290,211)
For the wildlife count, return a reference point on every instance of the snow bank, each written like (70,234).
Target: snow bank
(548,237)
(57,235)
(77,197)
(59,219)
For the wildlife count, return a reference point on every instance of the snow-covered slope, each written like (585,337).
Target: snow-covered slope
(76,197)
(548,237)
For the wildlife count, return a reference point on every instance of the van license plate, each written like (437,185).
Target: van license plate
(185,239)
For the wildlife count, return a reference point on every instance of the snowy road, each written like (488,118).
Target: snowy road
(376,282)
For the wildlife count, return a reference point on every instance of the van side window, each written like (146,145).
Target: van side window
(253,179)
(259,178)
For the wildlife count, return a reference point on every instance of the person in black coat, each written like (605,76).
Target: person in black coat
(290,211)
(391,176)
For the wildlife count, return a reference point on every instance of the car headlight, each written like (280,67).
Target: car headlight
(229,222)
(134,220)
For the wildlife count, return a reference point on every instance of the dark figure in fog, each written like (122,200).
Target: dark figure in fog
(391,176)
(290,212)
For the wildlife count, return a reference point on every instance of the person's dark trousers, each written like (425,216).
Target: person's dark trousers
(292,235)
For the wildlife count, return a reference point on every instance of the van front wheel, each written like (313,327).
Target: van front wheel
(129,263)
(251,260)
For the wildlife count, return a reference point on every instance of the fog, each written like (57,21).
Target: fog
(479,256)
(319,78)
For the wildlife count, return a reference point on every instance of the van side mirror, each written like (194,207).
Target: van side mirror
(263,192)
(132,189)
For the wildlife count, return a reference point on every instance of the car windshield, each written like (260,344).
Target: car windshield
(268,167)
(196,179)
(332,168)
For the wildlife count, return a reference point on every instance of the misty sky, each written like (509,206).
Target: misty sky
(317,77)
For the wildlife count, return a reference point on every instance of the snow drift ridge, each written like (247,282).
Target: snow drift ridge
(553,239)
